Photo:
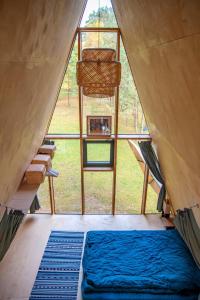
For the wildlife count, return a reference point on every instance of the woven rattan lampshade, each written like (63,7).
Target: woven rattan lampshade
(98,72)
(98,54)
(99,92)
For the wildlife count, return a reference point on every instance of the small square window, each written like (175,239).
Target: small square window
(98,153)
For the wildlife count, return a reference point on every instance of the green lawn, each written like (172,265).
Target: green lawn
(98,186)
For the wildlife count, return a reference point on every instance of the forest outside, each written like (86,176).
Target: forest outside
(65,120)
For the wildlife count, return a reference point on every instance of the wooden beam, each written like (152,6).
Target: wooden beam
(98,29)
(116,133)
(115,152)
(97,169)
(81,131)
(145,188)
(82,180)
(51,195)
(118,46)
(137,137)
(62,136)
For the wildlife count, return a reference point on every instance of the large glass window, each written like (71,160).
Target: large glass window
(98,14)
(67,185)
(43,196)
(66,114)
(131,117)
(98,186)
(98,192)
(129,181)
(152,199)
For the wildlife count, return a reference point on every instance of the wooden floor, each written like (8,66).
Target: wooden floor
(19,267)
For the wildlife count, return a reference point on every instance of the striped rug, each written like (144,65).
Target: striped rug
(58,274)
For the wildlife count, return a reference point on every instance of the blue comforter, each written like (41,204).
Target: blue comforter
(151,262)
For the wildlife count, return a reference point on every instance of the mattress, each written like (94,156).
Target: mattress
(137,296)
(138,264)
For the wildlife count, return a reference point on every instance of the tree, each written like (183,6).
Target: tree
(105,15)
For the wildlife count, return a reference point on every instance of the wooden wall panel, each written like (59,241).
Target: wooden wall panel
(35,41)
(162,40)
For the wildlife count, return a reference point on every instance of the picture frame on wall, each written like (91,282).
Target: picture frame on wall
(99,125)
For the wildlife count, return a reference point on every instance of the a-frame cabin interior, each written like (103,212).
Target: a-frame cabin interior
(100,147)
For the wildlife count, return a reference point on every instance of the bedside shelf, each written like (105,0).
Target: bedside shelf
(98,169)
(24,196)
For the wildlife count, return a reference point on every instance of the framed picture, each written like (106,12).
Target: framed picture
(98,153)
(99,125)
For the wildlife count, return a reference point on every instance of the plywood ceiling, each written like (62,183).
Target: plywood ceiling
(35,37)
(162,40)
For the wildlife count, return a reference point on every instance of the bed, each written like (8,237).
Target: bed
(146,265)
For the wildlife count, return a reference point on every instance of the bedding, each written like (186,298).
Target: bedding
(138,264)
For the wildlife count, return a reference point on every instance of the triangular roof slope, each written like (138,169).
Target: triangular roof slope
(162,43)
(36,37)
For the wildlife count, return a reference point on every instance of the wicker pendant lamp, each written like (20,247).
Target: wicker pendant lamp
(98,73)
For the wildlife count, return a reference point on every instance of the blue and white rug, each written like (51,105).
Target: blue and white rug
(58,274)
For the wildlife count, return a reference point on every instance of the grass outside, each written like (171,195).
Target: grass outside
(98,186)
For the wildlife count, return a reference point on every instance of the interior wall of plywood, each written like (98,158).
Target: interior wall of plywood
(35,41)
(162,40)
